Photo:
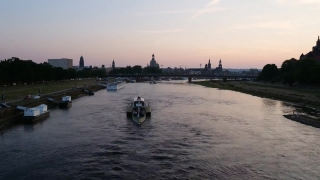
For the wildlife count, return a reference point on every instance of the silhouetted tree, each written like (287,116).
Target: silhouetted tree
(15,70)
(269,72)
(307,71)
(287,70)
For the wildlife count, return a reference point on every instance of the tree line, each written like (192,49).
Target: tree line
(304,71)
(18,71)
(136,70)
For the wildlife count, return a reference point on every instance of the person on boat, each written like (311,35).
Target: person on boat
(140,102)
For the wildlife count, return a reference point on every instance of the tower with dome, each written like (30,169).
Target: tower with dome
(153,62)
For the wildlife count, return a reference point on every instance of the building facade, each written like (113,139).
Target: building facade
(315,53)
(209,70)
(153,62)
(64,63)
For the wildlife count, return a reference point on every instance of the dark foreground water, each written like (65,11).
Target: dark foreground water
(194,133)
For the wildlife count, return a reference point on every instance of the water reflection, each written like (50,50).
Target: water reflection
(28,127)
(194,133)
(269,102)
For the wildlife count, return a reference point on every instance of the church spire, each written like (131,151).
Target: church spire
(81,62)
(113,64)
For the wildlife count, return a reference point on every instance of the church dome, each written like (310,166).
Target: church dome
(153,62)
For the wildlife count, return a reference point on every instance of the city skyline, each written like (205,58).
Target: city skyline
(187,33)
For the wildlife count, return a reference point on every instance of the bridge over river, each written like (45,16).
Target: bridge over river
(189,76)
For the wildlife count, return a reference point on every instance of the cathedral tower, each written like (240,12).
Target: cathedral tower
(220,65)
(81,62)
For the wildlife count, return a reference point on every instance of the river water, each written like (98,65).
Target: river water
(194,133)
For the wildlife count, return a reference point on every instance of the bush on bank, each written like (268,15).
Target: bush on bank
(304,71)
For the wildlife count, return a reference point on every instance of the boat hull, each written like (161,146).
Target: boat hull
(29,119)
(65,104)
(138,120)
(90,93)
(116,87)
(138,110)
(129,110)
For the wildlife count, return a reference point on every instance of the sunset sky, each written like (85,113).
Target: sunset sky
(244,34)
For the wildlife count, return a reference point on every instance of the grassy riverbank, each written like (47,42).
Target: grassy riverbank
(19,92)
(9,116)
(303,96)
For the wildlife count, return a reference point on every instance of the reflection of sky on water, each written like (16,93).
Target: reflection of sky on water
(194,132)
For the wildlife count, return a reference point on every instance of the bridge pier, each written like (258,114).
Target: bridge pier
(138,79)
(189,79)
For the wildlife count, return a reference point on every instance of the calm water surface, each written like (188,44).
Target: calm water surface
(194,133)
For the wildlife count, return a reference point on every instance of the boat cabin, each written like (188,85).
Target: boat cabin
(138,102)
(32,112)
(139,107)
(66,98)
(42,108)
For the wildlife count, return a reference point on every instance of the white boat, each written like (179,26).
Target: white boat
(36,113)
(138,110)
(90,93)
(65,102)
(116,85)
(36,97)
(153,81)
(4,105)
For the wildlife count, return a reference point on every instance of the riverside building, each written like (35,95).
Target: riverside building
(64,63)
(315,53)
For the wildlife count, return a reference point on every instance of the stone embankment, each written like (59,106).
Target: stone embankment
(9,116)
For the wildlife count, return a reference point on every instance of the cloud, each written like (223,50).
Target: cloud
(272,25)
(162,31)
(208,9)
(197,12)
(297,2)
(177,12)
(213,2)
(161,41)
